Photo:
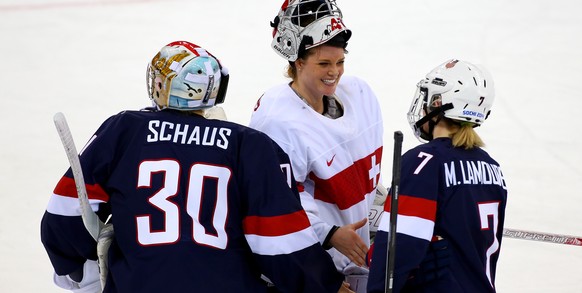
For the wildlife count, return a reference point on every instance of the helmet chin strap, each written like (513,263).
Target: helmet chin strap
(432,123)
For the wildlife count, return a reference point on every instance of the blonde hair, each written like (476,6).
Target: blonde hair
(463,135)
(291,71)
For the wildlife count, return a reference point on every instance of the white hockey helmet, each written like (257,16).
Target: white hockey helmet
(455,89)
(186,77)
(303,24)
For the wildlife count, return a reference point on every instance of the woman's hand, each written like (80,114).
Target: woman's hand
(349,243)
(345,288)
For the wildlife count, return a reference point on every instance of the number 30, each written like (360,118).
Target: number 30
(161,200)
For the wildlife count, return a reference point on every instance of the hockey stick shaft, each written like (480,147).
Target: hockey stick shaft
(395,189)
(541,236)
(92,223)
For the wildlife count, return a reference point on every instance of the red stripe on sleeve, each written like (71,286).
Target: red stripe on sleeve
(276,225)
(67,187)
(414,206)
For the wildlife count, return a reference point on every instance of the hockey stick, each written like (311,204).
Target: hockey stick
(92,223)
(544,237)
(395,189)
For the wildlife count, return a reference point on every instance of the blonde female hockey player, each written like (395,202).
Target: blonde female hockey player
(450,189)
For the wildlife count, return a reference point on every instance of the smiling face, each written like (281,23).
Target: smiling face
(319,72)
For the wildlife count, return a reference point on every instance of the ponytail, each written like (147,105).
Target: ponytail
(464,135)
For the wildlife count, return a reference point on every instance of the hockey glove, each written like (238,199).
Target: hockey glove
(103,243)
(88,284)
(376,210)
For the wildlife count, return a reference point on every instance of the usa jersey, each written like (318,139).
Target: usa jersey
(450,192)
(198,206)
(335,161)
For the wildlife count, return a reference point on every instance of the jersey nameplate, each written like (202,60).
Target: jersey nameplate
(164,131)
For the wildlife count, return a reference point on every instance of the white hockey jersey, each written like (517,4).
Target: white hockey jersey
(336,162)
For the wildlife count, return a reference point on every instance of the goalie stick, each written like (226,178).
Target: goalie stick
(92,223)
(395,189)
(544,237)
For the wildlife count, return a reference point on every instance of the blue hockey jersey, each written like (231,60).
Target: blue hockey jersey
(453,193)
(198,205)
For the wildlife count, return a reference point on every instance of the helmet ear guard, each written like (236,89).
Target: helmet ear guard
(221,96)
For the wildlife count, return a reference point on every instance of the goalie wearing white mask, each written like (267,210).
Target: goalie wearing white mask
(451,189)
(197,204)
(331,127)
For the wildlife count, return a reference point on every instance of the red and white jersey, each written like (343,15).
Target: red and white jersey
(336,162)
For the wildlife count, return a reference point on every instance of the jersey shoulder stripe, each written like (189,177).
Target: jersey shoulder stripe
(67,187)
(412,226)
(276,225)
(281,245)
(414,207)
(68,206)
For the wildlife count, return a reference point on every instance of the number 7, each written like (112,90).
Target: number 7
(486,211)
(427,158)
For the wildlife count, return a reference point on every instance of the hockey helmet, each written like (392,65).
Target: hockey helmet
(184,76)
(455,89)
(303,24)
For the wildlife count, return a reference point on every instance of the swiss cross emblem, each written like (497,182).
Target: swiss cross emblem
(374,172)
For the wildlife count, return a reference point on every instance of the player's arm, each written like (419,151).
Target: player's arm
(274,130)
(72,251)
(276,226)
(323,230)
(416,218)
(70,247)
(343,238)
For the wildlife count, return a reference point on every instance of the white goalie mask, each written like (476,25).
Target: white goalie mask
(186,77)
(304,24)
(455,89)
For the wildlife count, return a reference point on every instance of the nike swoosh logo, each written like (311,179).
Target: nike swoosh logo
(330,161)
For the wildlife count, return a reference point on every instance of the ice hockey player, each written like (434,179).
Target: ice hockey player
(198,205)
(451,189)
(331,127)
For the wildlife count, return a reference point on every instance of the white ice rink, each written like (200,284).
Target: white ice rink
(87,59)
